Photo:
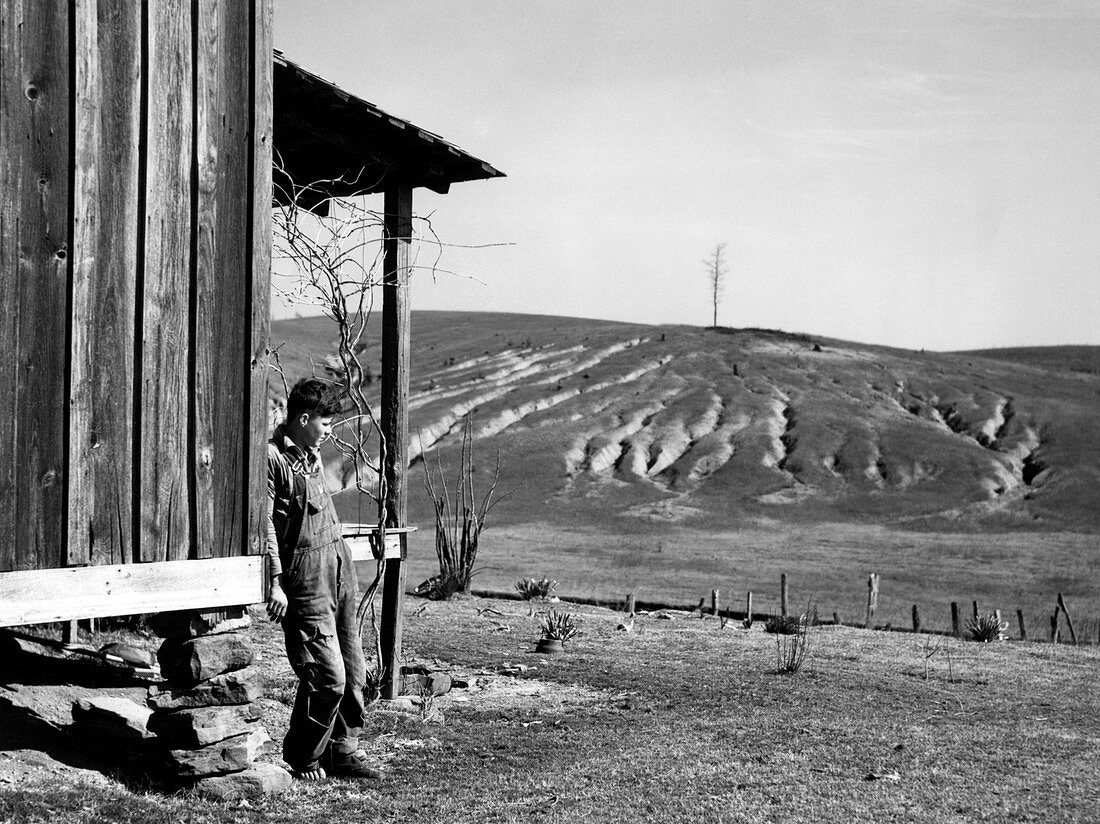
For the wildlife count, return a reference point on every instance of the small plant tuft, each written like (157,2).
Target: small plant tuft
(986,628)
(441,587)
(372,686)
(560,626)
(529,589)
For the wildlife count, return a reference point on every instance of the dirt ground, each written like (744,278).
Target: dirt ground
(37,693)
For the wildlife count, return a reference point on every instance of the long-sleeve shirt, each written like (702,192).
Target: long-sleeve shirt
(285,460)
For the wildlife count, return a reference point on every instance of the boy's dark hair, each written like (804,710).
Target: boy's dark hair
(313,397)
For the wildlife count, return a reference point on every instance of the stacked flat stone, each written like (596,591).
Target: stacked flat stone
(205,716)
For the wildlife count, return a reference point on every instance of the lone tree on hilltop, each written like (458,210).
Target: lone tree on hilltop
(716,277)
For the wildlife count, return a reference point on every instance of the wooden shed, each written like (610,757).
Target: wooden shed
(135,255)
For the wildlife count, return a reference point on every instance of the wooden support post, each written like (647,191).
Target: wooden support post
(997,618)
(872,600)
(394,418)
(975,610)
(630,604)
(836,619)
(955,628)
(916,618)
(748,608)
(1069,620)
(714,602)
(783,595)
(70,632)
(1023,628)
(1054,626)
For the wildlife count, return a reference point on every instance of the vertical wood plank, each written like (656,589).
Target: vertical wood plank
(254,429)
(223,281)
(783,595)
(394,418)
(165,451)
(35,187)
(105,225)
(206,237)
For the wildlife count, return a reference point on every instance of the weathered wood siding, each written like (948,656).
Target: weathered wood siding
(35,257)
(105,231)
(262,93)
(134,270)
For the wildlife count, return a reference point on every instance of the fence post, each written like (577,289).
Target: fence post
(1054,626)
(783,594)
(916,618)
(872,600)
(955,618)
(1069,621)
(630,604)
(714,602)
(1020,620)
(748,608)
(975,610)
(836,619)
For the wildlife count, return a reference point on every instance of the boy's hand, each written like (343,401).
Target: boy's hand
(276,601)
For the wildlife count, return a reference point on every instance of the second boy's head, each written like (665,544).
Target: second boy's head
(309,411)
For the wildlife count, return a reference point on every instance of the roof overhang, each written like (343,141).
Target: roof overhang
(328,139)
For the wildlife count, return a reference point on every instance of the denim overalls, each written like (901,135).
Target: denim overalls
(323,640)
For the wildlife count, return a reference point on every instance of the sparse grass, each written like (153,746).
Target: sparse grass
(681,721)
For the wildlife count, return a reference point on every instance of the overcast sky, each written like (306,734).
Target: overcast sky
(917,174)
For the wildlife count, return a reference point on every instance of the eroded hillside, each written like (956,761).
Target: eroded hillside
(606,421)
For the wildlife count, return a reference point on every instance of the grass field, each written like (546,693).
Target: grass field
(827,563)
(681,720)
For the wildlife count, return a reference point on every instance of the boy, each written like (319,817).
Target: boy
(314,593)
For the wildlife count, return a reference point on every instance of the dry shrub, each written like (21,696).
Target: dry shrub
(459,519)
